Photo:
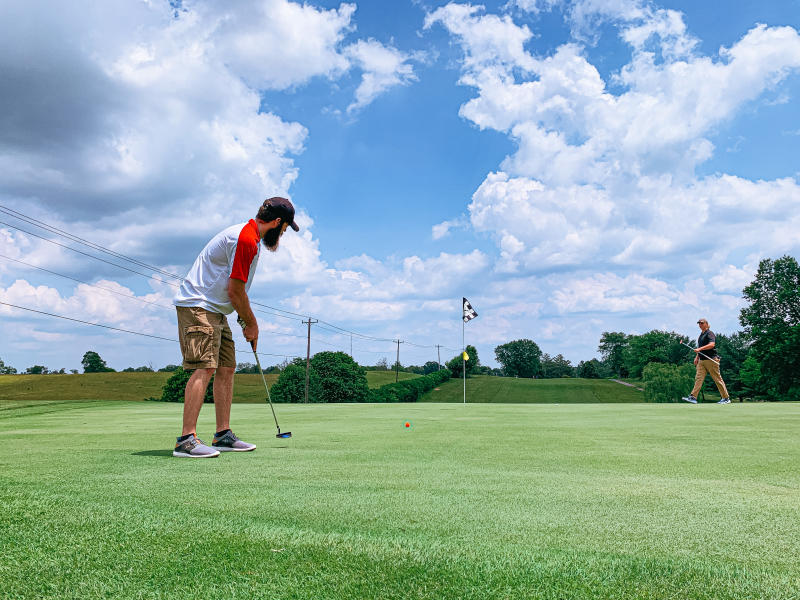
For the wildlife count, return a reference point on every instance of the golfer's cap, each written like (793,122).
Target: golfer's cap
(278,207)
(701,321)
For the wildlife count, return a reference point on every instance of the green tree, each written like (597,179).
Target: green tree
(667,383)
(753,382)
(655,346)
(772,322)
(142,369)
(170,369)
(291,385)
(519,358)
(612,348)
(556,366)
(92,363)
(733,351)
(430,367)
(37,370)
(456,363)
(341,379)
(175,387)
(6,370)
(590,369)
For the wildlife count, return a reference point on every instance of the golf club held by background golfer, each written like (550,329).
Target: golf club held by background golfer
(700,353)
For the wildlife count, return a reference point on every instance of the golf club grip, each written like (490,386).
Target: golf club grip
(242,324)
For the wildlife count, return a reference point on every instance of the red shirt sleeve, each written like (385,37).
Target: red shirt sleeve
(246,250)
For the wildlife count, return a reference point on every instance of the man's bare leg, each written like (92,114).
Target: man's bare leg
(223,396)
(193,399)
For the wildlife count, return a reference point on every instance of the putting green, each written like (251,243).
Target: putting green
(477,501)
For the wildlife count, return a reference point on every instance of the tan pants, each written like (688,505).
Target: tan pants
(712,368)
(205,338)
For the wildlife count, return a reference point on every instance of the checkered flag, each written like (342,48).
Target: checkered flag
(469,312)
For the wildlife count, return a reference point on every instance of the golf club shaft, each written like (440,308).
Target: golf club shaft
(264,379)
(700,353)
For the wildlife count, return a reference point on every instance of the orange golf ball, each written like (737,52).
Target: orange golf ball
(408,424)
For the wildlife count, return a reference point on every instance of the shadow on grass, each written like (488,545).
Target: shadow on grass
(154,453)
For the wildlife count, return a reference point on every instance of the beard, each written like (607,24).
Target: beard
(272,238)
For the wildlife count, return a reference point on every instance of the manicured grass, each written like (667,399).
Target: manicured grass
(484,388)
(478,501)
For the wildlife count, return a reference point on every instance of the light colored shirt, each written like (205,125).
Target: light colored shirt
(232,253)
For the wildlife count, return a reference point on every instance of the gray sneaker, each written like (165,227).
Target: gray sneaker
(228,442)
(690,399)
(724,401)
(193,447)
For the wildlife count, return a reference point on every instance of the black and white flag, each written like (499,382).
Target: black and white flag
(469,312)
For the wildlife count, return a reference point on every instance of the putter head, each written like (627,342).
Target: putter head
(285,434)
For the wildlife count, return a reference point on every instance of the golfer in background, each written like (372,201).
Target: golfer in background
(215,286)
(706,360)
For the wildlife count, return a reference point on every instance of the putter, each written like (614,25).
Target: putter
(285,434)
(701,354)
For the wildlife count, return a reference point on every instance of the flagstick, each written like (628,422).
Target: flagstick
(463,360)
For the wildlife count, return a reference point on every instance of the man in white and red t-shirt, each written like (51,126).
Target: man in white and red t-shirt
(215,286)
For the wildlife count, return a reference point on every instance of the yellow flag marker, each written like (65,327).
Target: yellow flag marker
(465,355)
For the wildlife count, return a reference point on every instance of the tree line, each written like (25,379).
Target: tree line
(762,361)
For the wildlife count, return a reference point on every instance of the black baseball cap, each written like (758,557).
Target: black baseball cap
(275,207)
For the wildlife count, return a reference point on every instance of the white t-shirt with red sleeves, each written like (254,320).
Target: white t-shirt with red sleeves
(232,253)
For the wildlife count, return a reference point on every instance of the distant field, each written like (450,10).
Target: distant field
(477,502)
(484,388)
(132,386)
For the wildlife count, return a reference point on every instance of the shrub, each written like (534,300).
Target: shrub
(409,390)
(333,377)
(291,385)
(175,387)
(341,379)
(667,383)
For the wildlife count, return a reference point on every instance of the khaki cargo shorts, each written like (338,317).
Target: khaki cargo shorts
(205,338)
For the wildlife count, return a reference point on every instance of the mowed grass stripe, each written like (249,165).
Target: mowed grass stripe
(484,388)
(489,501)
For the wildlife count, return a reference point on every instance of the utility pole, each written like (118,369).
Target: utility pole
(397,362)
(308,352)
(438,357)
(351,345)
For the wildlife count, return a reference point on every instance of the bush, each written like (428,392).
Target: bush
(341,379)
(409,390)
(291,385)
(667,383)
(333,377)
(175,387)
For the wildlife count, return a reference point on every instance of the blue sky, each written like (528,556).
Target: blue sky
(570,166)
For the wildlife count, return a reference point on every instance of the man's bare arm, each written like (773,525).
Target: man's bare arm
(241,303)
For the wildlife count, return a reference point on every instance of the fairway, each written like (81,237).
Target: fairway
(477,501)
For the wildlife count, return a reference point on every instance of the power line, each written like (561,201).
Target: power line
(130,296)
(157,337)
(75,238)
(41,312)
(108,262)
(98,247)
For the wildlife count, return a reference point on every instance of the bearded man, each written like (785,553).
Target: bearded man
(215,286)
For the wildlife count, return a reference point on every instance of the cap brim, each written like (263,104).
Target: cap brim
(294,226)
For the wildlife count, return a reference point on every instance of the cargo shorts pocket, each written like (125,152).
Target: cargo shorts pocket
(199,344)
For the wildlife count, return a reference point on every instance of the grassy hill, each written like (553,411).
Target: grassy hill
(484,388)
(133,386)
(249,388)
